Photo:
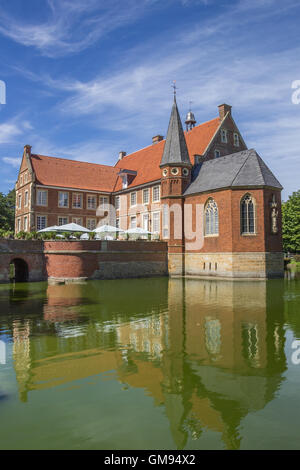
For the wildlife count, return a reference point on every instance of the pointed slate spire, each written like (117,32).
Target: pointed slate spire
(175,150)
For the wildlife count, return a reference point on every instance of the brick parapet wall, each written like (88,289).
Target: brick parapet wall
(84,259)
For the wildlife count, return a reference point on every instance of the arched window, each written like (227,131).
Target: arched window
(247,214)
(211,218)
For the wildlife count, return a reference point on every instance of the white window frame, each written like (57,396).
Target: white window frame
(147,199)
(146,218)
(117,202)
(39,192)
(165,223)
(37,224)
(62,217)
(76,219)
(134,193)
(89,225)
(133,217)
(26,198)
(154,214)
(59,202)
(89,204)
(217,152)
(153,192)
(75,206)
(103,202)
(25,223)
(19,224)
(19,201)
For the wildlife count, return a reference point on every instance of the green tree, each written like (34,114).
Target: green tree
(291,223)
(7,210)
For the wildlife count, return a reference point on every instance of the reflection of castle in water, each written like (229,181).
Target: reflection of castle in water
(210,352)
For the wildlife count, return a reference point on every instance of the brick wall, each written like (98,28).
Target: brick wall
(226,148)
(126,210)
(230,238)
(84,259)
(53,211)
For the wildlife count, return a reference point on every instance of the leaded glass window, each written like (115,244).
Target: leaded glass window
(211,218)
(247,215)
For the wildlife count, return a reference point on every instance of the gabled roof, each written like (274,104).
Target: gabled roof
(175,150)
(61,172)
(146,161)
(239,169)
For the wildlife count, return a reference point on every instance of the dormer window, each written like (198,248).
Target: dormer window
(125,174)
(236,140)
(124,181)
(224,136)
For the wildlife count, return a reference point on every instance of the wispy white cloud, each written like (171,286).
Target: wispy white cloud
(72,26)
(13,161)
(13,128)
(94,151)
(213,61)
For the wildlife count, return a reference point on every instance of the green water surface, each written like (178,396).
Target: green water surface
(150,364)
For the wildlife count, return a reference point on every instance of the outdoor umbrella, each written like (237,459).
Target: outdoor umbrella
(138,231)
(72,228)
(49,229)
(107,228)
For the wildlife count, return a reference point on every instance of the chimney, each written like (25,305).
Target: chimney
(223,110)
(157,138)
(27,150)
(122,154)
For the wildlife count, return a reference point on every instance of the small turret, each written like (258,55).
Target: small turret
(190,121)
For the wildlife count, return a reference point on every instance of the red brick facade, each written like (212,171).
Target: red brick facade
(133,193)
(54,176)
(230,238)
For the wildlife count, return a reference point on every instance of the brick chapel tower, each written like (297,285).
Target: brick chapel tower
(175,177)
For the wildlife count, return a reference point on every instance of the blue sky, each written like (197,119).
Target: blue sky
(86,79)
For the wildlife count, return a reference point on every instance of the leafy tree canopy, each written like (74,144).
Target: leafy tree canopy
(291,223)
(7,210)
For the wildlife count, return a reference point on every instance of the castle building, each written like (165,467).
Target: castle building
(202,190)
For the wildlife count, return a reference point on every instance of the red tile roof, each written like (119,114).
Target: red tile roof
(51,171)
(146,161)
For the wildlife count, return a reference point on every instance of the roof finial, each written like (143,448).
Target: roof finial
(174,88)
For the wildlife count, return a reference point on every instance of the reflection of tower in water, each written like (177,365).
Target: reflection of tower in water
(234,351)
(215,355)
(21,356)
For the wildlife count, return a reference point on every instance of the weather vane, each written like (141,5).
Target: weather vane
(174,88)
(190,102)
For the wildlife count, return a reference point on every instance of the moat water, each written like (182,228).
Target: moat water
(150,364)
